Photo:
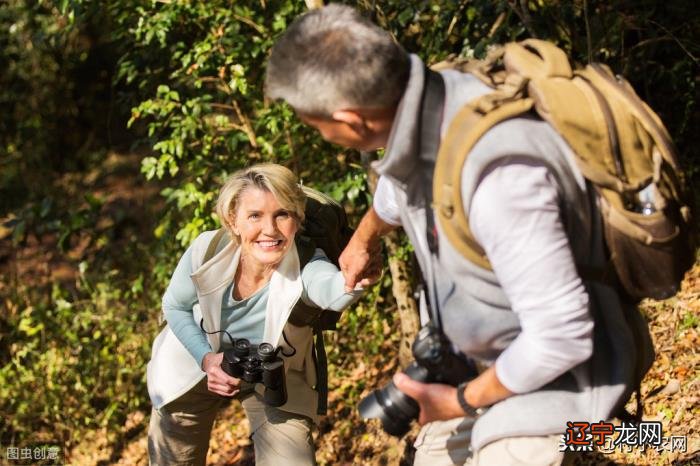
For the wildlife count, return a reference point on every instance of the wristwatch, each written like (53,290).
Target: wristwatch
(468,409)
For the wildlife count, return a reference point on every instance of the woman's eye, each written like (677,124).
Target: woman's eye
(283,215)
(254,216)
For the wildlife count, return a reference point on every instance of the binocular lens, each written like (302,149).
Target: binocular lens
(266,351)
(241,347)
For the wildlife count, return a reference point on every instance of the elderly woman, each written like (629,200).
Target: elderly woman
(247,289)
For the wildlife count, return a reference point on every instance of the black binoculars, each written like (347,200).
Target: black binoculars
(258,364)
(435,362)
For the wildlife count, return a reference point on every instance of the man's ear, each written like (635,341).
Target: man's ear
(353,119)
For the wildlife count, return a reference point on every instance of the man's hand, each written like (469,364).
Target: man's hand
(218,381)
(361,261)
(437,402)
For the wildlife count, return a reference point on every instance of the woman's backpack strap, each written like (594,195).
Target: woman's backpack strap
(319,320)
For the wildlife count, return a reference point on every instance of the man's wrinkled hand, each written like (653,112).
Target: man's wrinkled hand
(437,402)
(360,263)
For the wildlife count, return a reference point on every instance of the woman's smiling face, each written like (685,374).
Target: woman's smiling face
(266,230)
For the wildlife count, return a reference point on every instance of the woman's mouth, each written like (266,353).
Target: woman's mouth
(269,244)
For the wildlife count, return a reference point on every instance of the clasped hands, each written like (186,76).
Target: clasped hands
(361,263)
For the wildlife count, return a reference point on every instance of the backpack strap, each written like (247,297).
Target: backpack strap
(306,249)
(308,315)
(470,124)
(321,362)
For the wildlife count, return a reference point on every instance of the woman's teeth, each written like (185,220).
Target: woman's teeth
(269,244)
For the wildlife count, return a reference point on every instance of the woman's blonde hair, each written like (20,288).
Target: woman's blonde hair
(278,180)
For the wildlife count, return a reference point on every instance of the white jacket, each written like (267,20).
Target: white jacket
(172,371)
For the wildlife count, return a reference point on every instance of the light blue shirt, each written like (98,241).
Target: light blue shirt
(323,283)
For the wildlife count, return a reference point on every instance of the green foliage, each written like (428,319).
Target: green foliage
(208,116)
(55,90)
(191,74)
(690,321)
(653,44)
(74,360)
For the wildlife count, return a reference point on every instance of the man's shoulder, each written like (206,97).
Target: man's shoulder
(460,89)
(526,135)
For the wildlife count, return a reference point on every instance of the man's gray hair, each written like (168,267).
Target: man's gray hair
(331,59)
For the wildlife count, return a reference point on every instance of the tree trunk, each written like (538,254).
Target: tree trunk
(409,319)
(402,289)
(401,283)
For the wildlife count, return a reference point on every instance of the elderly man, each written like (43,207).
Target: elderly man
(553,347)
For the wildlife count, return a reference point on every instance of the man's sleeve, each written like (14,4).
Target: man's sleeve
(515,216)
(385,202)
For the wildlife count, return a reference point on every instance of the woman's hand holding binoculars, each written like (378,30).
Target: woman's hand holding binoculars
(218,381)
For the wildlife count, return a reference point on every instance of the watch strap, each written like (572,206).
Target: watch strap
(468,409)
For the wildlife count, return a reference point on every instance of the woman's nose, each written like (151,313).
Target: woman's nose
(269,226)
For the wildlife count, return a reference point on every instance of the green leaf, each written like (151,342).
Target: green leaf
(29,327)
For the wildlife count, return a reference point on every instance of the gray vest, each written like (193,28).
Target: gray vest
(476,314)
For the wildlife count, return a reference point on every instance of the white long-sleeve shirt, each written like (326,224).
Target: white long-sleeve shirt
(521,232)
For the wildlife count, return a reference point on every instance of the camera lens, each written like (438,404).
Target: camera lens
(435,362)
(391,406)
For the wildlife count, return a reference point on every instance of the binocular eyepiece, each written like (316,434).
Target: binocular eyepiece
(258,364)
(435,362)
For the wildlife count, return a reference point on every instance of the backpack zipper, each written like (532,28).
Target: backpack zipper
(614,141)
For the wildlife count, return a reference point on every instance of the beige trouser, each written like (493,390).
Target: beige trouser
(178,433)
(447,443)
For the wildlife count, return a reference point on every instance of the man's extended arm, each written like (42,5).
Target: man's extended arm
(360,262)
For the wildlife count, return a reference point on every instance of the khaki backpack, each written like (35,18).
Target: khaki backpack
(621,147)
(326,227)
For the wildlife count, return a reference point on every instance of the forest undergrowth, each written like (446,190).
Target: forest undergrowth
(362,355)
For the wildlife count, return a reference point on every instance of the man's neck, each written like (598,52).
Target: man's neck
(379,122)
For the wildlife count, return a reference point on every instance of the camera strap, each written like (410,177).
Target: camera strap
(432,105)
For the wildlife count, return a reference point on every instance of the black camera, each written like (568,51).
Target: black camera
(435,362)
(258,364)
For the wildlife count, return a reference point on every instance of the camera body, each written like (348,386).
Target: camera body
(435,362)
(258,364)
